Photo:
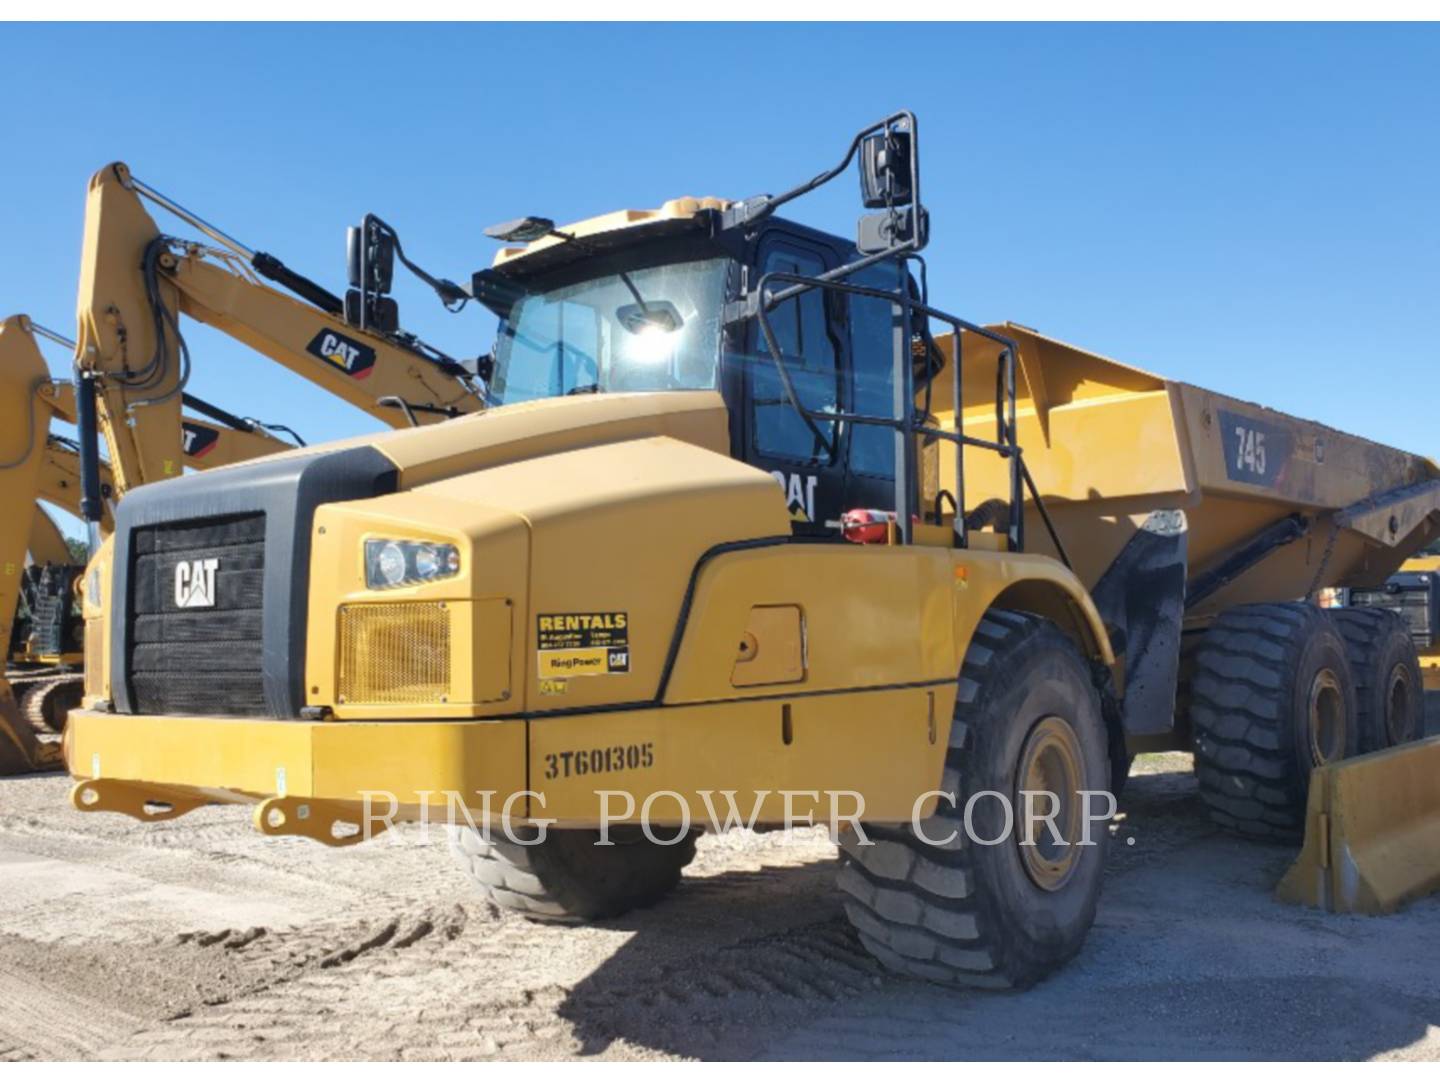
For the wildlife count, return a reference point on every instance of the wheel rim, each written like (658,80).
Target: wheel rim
(1050,761)
(1398,704)
(1327,718)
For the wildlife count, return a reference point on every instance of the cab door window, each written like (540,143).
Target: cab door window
(872,348)
(804,336)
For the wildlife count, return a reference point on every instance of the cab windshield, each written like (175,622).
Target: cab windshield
(654,328)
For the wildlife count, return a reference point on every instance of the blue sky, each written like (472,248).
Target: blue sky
(1252,209)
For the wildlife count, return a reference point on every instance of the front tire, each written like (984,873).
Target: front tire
(566,877)
(1001,915)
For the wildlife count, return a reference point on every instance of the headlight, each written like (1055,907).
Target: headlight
(390,563)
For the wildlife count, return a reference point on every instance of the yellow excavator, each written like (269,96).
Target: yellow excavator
(753,525)
(132,364)
(39,467)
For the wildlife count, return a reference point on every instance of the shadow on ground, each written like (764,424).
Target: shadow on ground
(1190,958)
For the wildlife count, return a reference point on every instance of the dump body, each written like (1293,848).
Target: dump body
(1275,506)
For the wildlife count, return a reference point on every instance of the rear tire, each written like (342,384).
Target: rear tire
(1271,698)
(993,915)
(1389,691)
(566,877)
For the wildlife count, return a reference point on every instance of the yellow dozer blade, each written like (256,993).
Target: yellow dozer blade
(1372,832)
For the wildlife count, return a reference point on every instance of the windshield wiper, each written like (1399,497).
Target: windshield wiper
(583,388)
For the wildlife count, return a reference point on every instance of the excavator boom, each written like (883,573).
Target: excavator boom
(135,282)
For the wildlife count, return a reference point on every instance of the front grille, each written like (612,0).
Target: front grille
(1410,601)
(207,658)
(394,654)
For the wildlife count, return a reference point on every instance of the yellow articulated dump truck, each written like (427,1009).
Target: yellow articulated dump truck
(749,525)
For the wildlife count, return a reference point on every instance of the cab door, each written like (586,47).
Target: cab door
(810,336)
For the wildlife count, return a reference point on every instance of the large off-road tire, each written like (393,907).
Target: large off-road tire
(1272,697)
(1389,691)
(1027,717)
(567,877)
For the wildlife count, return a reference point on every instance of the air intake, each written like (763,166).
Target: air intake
(394,654)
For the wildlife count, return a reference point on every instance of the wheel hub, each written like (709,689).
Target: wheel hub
(1051,769)
(1327,718)
(1398,699)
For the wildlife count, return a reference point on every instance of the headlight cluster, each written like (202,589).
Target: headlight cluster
(391,563)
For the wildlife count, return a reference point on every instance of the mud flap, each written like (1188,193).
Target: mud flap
(1142,596)
(1372,833)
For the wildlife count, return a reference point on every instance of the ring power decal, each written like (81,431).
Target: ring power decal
(582,643)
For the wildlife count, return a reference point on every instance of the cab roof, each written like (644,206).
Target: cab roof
(682,209)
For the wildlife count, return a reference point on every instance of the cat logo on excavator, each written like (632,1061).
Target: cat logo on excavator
(350,356)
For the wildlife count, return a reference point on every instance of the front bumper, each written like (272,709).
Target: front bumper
(306,776)
(880,752)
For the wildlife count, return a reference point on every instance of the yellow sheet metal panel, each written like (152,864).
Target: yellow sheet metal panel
(1108,443)
(418,762)
(772,650)
(1106,451)
(531,429)
(615,532)
(1050,374)
(1251,451)
(887,745)
(1372,833)
(481,601)
(95,600)
(875,615)
(249,756)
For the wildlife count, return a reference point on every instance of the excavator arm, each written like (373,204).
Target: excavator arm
(135,282)
(27,405)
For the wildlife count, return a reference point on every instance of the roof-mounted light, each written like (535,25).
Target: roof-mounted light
(521,230)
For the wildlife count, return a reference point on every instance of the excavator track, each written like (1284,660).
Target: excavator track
(45,700)
(32,714)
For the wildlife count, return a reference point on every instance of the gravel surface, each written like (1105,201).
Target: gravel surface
(198,938)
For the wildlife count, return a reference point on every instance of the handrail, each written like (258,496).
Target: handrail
(1005,443)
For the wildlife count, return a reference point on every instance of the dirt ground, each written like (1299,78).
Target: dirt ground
(200,939)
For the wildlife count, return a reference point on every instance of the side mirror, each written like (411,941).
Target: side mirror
(886,163)
(883,231)
(370,253)
(381,314)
